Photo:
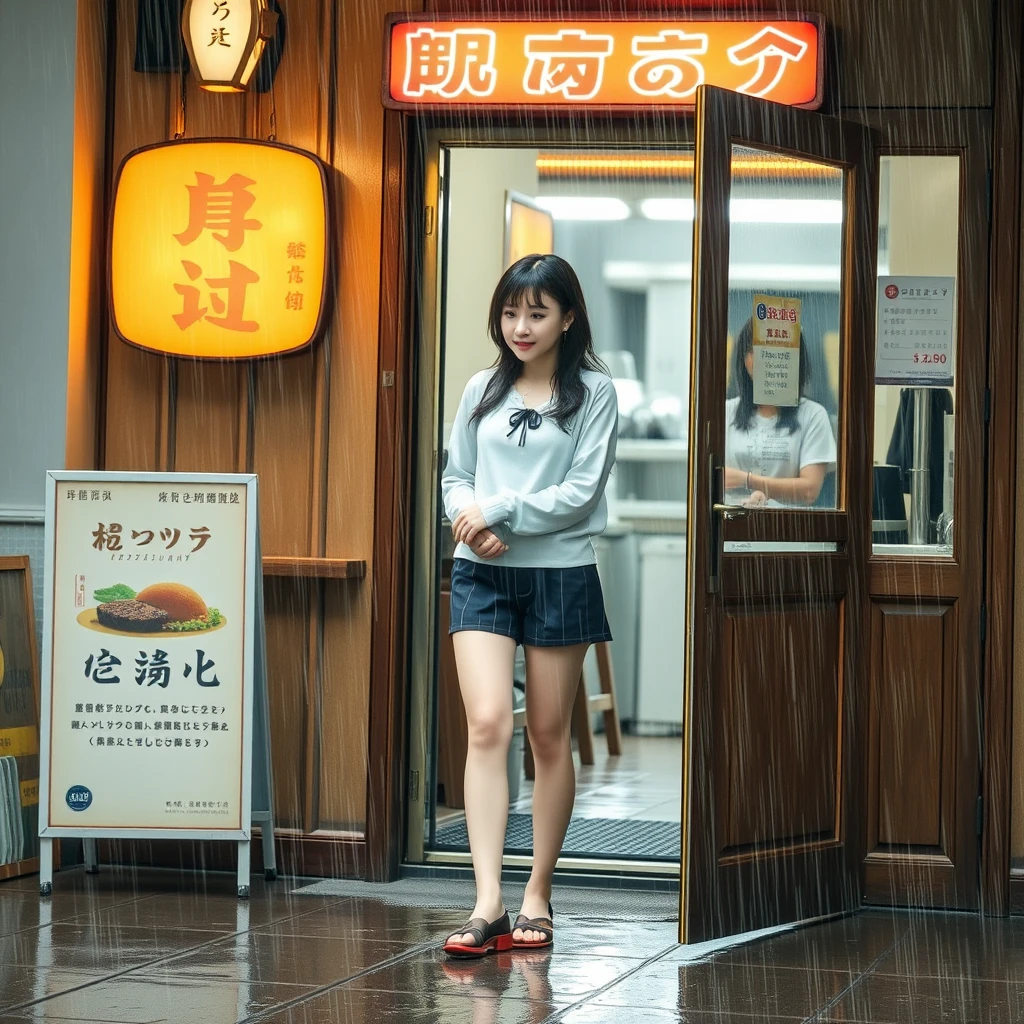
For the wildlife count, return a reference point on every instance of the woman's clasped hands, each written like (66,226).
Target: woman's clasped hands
(470,528)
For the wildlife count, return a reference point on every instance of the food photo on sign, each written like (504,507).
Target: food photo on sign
(158,610)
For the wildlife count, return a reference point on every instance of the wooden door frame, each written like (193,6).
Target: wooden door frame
(388,751)
(389,641)
(1001,485)
(394,564)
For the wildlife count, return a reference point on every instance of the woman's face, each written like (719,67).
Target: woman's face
(532,330)
(748,362)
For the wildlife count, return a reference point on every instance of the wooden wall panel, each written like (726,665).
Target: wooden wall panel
(135,413)
(918,805)
(285,431)
(1003,822)
(346,696)
(358,146)
(87,306)
(208,417)
(300,96)
(777,740)
(909,692)
(882,53)
(289,409)
(306,423)
(287,609)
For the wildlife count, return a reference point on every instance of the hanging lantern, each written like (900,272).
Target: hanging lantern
(225,40)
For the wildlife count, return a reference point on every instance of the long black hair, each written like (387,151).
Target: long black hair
(744,384)
(529,277)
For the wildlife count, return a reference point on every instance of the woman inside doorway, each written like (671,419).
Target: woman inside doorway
(531,448)
(774,455)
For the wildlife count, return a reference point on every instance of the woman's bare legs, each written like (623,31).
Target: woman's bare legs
(485,663)
(552,675)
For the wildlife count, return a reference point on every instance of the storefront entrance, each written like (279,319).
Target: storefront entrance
(754,647)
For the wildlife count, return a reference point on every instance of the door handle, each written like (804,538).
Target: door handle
(719,512)
(730,511)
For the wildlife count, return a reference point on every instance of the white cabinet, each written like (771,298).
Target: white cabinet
(659,698)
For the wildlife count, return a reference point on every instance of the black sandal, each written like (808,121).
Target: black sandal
(495,937)
(544,925)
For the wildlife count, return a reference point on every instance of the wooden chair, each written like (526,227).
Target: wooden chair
(586,705)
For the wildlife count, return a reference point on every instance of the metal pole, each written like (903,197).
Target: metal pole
(919,477)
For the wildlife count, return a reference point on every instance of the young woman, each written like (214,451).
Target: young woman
(773,455)
(530,452)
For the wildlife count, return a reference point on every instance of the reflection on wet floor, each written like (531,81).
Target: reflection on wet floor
(148,945)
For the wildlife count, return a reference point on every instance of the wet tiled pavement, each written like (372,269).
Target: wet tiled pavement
(147,946)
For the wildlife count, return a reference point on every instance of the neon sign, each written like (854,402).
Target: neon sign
(607,65)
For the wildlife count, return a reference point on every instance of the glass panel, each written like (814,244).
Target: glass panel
(623,219)
(915,366)
(783,350)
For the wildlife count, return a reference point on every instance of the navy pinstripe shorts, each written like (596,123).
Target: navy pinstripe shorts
(537,607)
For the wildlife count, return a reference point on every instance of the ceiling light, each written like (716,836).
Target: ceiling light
(753,211)
(786,211)
(584,207)
(667,209)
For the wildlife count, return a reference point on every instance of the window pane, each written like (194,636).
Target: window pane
(915,367)
(783,351)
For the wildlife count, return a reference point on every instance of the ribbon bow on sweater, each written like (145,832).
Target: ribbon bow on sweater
(522,420)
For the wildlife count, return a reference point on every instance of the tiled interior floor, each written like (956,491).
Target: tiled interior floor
(644,781)
(147,946)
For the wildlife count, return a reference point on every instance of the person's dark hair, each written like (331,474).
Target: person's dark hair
(744,384)
(529,277)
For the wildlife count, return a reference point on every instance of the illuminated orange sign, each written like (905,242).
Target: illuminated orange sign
(604,64)
(218,249)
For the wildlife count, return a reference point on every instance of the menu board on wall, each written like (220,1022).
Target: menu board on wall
(19,721)
(148,660)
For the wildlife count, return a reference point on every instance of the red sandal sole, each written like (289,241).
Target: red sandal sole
(497,944)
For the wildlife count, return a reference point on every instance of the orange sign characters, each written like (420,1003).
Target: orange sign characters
(218,249)
(604,64)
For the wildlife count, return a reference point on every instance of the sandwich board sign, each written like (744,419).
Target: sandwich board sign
(154,700)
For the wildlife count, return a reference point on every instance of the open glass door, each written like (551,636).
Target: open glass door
(779,523)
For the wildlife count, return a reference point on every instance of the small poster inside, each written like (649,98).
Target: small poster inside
(776,371)
(915,331)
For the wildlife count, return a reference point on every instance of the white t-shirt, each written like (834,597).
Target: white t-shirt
(766,450)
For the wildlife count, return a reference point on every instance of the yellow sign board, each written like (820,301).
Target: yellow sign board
(219,249)
(776,350)
(19,741)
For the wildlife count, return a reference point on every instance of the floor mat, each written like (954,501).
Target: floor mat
(631,838)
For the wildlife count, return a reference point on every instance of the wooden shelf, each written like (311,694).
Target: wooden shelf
(315,568)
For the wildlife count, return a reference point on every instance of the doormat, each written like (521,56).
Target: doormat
(611,838)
